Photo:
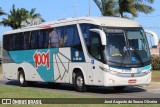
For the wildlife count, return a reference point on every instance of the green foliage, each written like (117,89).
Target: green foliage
(2,12)
(155,61)
(19,92)
(17,16)
(124,7)
(156,75)
(127,6)
(142,6)
(107,7)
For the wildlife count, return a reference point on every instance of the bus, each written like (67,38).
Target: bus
(84,51)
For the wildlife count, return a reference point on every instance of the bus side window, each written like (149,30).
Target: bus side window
(34,40)
(40,40)
(68,36)
(60,32)
(95,46)
(5,42)
(16,42)
(86,34)
(54,38)
(10,42)
(19,41)
(26,40)
(45,38)
(76,41)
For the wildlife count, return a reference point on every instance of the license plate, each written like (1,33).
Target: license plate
(132,81)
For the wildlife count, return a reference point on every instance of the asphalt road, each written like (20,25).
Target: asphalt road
(102,92)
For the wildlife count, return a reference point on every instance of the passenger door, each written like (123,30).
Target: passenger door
(96,61)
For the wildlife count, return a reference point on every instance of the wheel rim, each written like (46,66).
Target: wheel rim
(21,78)
(79,81)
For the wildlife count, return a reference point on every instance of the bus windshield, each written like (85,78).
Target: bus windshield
(127,47)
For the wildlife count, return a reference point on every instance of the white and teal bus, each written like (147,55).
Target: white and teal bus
(85,51)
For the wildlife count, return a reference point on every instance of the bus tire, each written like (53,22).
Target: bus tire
(22,80)
(119,88)
(79,82)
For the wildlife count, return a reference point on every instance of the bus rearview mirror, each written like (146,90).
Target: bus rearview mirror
(155,36)
(102,35)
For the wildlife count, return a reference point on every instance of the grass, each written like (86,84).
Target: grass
(0,69)
(20,92)
(156,76)
(23,92)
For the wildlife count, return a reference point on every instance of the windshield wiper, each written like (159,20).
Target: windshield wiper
(126,50)
(138,56)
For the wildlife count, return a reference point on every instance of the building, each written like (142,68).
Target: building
(155,50)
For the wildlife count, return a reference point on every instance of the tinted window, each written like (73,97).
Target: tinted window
(11,43)
(6,42)
(76,42)
(54,38)
(18,41)
(95,46)
(65,37)
(68,36)
(40,40)
(26,40)
(86,33)
(34,40)
(45,38)
(60,31)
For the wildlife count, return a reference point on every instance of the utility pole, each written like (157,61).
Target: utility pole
(89,6)
(75,9)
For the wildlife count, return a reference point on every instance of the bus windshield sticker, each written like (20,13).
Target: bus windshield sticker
(133,59)
(92,61)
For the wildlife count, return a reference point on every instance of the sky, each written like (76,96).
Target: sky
(58,9)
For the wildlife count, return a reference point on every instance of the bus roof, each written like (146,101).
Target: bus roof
(101,21)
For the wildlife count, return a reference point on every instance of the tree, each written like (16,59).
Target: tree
(126,6)
(120,7)
(17,16)
(33,15)
(142,6)
(134,7)
(1,12)
(107,7)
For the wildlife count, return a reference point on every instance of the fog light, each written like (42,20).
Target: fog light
(111,80)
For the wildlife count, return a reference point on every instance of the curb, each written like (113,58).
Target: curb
(152,85)
(1,77)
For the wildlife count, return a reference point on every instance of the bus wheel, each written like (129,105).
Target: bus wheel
(22,79)
(79,81)
(119,88)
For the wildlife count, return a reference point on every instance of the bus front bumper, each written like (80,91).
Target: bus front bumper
(113,80)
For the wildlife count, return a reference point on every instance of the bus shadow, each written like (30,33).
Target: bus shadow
(110,90)
(69,87)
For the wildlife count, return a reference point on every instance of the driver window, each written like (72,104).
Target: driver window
(115,44)
(95,46)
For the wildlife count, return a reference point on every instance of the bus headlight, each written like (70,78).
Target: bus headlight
(147,72)
(113,72)
(109,71)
